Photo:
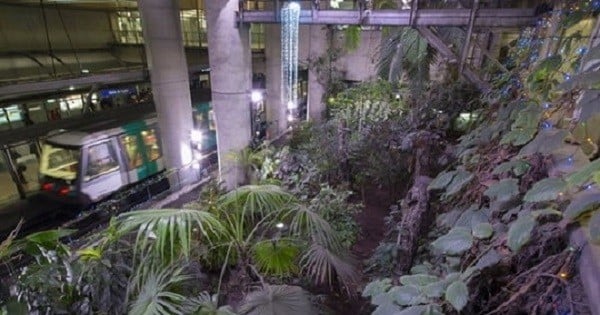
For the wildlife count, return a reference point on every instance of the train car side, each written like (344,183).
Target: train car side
(85,167)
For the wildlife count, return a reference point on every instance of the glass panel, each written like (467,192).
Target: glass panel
(37,113)
(4,125)
(257,36)
(26,160)
(8,189)
(134,158)
(101,160)
(151,143)
(59,162)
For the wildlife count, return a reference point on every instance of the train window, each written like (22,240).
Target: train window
(59,162)
(134,156)
(151,143)
(101,160)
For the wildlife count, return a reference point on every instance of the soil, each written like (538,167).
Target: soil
(372,230)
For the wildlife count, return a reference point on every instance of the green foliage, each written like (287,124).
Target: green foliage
(277,300)
(547,189)
(352,37)
(519,232)
(169,233)
(334,207)
(525,126)
(277,257)
(442,180)
(459,181)
(483,230)
(584,174)
(455,242)
(458,295)
(594,228)
(543,78)
(323,265)
(504,190)
(518,167)
(582,203)
(154,291)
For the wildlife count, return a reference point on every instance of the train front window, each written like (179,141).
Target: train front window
(101,160)
(59,162)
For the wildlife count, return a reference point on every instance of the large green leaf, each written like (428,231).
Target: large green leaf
(256,199)
(489,259)
(456,242)
(594,227)
(518,167)
(377,287)
(457,294)
(406,295)
(418,280)
(460,180)
(504,190)
(519,137)
(413,310)
(546,190)
(441,181)
(584,174)
(483,230)
(519,232)
(436,289)
(546,142)
(582,203)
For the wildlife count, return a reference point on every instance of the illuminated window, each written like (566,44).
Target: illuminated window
(151,143)
(257,36)
(101,160)
(134,156)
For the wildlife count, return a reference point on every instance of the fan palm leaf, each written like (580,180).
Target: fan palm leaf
(324,265)
(168,232)
(253,200)
(276,257)
(151,289)
(306,222)
(277,300)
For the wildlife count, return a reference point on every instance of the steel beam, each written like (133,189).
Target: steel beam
(443,49)
(422,17)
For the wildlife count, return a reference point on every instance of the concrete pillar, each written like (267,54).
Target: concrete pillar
(276,110)
(169,78)
(230,61)
(318,45)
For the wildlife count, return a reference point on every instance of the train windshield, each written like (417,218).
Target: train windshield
(59,162)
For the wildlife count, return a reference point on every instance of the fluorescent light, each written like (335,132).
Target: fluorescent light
(85,71)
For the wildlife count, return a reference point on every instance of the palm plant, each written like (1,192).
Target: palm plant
(277,300)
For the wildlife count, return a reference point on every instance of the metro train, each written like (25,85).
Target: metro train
(84,166)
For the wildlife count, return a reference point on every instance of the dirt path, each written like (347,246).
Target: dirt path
(371,223)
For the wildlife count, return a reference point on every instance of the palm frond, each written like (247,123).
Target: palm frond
(324,266)
(205,304)
(169,232)
(152,291)
(277,300)
(306,222)
(256,199)
(277,257)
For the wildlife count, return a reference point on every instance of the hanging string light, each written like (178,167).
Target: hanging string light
(290,18)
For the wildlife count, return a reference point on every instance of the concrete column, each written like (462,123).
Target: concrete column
(230,61)
(169,78)
(318,45)
(276,110)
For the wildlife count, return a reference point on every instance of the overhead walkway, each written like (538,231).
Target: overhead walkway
(421,17)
